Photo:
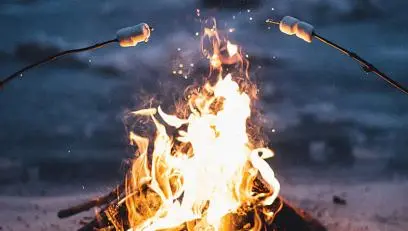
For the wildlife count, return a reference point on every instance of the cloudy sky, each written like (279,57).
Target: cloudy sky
(76,106)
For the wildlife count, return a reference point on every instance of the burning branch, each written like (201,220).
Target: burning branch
(113,216)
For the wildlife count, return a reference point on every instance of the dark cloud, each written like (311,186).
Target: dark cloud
(82,104)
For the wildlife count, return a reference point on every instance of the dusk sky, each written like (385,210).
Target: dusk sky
(78,104)
(327,137)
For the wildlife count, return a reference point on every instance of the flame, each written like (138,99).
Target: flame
(203,177)
(232,49)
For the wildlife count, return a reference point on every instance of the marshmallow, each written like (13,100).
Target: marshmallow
(293,26)
(287,25)
(304,31)
(131,36)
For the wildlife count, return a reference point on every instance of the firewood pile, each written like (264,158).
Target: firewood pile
(113,215)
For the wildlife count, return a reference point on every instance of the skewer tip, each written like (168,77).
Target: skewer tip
(270,21)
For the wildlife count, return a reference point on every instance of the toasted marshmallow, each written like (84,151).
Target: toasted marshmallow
(131,36)
(304,31)
(287,25)
(293,26)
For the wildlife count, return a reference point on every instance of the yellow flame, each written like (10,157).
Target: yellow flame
(202,177)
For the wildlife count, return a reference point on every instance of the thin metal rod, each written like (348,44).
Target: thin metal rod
(53,57)
(367,67)
(272,22)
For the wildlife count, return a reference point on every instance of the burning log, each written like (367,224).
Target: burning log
(114,217)
(292,218)
(114,214)
(116,193)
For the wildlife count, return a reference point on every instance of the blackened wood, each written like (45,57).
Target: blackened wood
(92,203)
(291,218)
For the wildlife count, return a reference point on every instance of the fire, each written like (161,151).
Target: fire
(232,49)
(201,170)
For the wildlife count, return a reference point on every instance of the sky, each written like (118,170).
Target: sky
(76,107)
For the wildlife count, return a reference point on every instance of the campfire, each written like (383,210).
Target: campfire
(202,166)
(201,169)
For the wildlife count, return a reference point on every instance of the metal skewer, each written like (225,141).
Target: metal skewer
(366,66)
(126,37)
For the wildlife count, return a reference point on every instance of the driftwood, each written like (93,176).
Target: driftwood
(98,202)
(113,217)
(292,218)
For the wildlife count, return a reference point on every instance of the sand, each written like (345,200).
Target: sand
(371,205)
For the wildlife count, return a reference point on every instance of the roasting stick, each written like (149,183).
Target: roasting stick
(126,37)
(293,26)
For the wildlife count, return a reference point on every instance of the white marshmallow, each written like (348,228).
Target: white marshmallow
(304,31)
(287,25)
(292,26)
(131,36)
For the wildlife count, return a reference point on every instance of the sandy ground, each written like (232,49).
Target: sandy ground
(35,206)
(375,205)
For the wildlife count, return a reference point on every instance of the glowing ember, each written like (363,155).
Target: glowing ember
(204,176)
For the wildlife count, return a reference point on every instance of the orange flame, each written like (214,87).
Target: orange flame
(204,177)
